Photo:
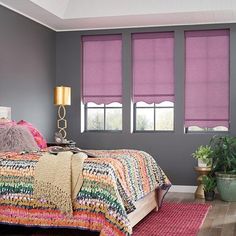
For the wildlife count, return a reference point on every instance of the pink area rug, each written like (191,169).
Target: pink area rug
(173,219)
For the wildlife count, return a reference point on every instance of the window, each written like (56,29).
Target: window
(207,81)
(102,83)
(153,81)
(199,129)
(154,117)
(103,117)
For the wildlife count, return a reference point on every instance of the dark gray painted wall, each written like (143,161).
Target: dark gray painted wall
(27,70)
(171,150)
(33,59)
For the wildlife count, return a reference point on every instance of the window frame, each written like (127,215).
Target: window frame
(104,108)
(155,106)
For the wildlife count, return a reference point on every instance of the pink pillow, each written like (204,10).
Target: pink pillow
(41,142)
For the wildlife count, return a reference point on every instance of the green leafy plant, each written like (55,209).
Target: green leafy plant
(209,183)
(204,153)
(224,154)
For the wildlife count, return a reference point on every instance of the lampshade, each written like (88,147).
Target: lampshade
(62,96)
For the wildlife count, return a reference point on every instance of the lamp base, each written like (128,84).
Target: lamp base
(62,122)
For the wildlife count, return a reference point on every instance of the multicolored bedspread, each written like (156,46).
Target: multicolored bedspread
(113,181)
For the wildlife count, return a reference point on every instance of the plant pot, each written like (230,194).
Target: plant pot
(209,196)
(226,185)
(201,163)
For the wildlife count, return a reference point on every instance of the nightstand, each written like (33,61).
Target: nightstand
(70,144)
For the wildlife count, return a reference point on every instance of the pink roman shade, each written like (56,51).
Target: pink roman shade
(102,80)
(153,67)
(207,78)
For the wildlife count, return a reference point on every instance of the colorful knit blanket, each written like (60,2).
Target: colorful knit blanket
(112,182)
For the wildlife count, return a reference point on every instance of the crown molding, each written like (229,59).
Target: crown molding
(27,16)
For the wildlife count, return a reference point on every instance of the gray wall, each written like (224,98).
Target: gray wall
(33,59)
(172,150)
(27,70)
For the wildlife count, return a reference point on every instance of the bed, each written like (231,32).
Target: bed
(120,187)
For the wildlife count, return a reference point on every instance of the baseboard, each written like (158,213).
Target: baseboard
(183,189)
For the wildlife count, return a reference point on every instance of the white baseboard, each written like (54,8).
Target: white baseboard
(183,189)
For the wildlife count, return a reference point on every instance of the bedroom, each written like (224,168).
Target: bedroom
(35,58)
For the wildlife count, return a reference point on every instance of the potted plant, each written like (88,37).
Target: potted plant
(209,185)
(203,155)
(224,165)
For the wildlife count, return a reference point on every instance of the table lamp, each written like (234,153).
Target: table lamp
(62,98)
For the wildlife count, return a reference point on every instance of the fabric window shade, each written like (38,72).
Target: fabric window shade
(153,67)
(207,78)
(102,79)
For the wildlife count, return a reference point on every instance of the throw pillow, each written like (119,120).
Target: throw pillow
(38,137)
(16,138)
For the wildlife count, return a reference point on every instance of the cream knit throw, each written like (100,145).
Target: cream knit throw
(58,179)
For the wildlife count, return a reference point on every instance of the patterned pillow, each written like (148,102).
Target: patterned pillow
(38,137)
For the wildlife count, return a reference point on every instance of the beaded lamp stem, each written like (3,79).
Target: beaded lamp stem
(62,122)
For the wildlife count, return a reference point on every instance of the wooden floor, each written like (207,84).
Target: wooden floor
(220,221)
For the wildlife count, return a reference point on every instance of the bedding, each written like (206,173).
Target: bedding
(112,182)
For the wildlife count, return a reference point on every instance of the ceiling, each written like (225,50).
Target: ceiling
(66,15)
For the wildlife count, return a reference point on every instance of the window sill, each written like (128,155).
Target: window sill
(207,132)
(103,131)
(153,131)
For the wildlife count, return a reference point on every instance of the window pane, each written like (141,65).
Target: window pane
(164,119)
(165,104)
(198,129)
(113,119)
(144,104)
(92,104)
(114,104)
(220,128)
(144,118)
(95,119)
